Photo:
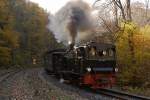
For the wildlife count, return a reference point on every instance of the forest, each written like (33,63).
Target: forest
(24,37)
(23,33)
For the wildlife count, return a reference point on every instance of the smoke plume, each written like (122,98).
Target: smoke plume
(73,22)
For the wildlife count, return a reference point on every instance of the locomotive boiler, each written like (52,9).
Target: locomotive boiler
(91,64)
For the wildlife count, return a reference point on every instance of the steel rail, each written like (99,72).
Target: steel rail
(121,95)
(8,74)
(116,94)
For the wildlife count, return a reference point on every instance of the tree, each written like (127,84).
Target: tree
(8,37)
(146,7)
(127,19)
(128,2)
(23,33)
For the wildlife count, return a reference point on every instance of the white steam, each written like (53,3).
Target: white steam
(73,22)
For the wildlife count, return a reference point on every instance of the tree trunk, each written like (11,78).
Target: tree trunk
(115,13)
(131,47)
(119,4)
(12,56)
(147,6)
(130,34)
(129,17)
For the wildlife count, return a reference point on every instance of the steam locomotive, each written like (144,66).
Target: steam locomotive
(92,64)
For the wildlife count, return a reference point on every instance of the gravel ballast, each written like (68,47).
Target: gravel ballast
(34,84)
(26,85)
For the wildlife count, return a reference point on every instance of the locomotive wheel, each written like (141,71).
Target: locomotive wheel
(61,80)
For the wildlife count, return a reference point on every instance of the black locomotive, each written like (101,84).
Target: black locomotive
(92,64)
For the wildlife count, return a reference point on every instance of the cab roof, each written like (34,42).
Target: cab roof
(100,46)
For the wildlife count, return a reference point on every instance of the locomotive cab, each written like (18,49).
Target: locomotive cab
(99,65)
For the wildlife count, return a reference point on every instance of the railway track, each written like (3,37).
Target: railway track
(7,74)
(121,95)
(114,94)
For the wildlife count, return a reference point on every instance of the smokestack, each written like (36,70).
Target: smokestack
(72,28)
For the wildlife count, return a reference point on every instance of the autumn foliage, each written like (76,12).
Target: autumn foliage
(137,74)
(23,33)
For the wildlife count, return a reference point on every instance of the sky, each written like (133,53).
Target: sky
(53,6)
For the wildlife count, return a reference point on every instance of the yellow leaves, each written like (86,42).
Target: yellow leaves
(129,28)
(146,31)
(23,23)
(4,51)
(131,73)
(10,38)
(4,55)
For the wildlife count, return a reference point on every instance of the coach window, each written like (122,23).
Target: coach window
(78,52)
(110,52)
(104,52)
(100,53)
(92,52)
(81,52)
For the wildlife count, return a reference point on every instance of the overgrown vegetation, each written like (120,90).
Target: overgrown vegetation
(130,27)
(23,33)
(134,74)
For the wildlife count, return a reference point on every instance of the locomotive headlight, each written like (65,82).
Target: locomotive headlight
(69,42)
(75,47)
(116,69)
(84,46)
(88,69)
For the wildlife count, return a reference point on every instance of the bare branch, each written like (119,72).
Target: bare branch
(95,2)
(147,6)
(105,23)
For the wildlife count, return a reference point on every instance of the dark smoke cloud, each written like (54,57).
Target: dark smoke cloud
(73,22)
